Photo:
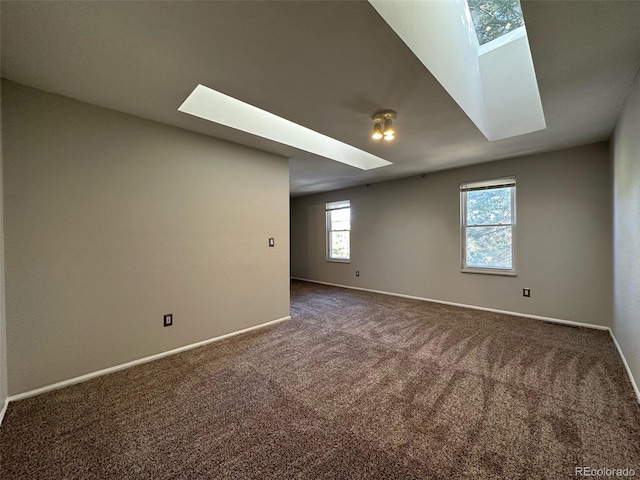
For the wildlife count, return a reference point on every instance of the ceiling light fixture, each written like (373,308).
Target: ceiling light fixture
(383,125)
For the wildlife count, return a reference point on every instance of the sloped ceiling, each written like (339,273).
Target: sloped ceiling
(326,65)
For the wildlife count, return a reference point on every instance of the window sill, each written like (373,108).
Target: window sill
(490,271)
(339,260)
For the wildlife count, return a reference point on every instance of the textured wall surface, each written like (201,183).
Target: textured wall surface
(406,237)
(112,221)
(3,328)
(626,152)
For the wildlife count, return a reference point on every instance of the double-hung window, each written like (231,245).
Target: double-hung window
(488,226)
(339,231)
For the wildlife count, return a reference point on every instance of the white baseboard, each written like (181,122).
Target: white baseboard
(626,366)
(133,363)
(474,307)
(4,410)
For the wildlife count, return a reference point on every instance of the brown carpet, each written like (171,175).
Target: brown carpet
(356,385)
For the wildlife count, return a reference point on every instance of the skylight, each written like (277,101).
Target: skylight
(494,18)
(495,83)
(209,104)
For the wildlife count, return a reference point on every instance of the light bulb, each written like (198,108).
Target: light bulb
(377,131)
(388,128)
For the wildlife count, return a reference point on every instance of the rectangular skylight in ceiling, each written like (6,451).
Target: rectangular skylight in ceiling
(217,107)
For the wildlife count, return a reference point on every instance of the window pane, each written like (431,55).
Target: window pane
(339,245)
(492,206)
(342,215)
(494,18)
(340,226)
(489,247)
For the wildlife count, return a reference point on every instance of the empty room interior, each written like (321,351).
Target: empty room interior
(320,239)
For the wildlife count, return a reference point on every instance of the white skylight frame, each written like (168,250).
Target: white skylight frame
(209,104)
(502,40)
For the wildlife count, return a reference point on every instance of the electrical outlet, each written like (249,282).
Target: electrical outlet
(357,273)
(526,292)
(272,242)
(168,319)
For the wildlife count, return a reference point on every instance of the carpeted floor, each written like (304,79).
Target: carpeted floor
(356,385)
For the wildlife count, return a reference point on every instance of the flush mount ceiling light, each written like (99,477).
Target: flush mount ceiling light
(383,125)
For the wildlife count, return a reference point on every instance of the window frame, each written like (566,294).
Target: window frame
(489,184)
(332,207)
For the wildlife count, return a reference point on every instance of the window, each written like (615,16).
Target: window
(488,223)
(494,18)
(339,231)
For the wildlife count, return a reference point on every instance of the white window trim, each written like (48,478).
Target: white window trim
(491,183)
(330,207)
(339,260)
(502,40)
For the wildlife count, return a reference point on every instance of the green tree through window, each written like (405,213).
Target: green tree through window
(488,225)
(494,18)
(339,230)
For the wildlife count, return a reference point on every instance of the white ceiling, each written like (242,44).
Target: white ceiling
(327,65)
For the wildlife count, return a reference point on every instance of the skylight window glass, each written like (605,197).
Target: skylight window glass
(494,18)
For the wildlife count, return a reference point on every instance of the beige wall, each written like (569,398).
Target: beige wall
(3,328)
(112,221)
(406,237)
(626,195)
